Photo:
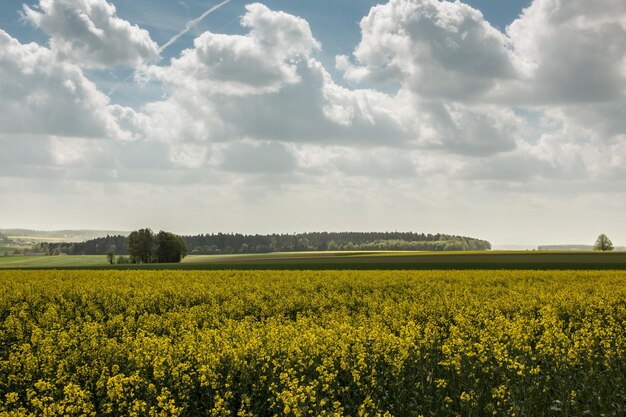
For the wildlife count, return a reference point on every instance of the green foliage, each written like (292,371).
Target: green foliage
(603,243)
(332,241)
(97,246)
(221,243)
(170,248)
(111,254)
(142,246)
(122,260)
(326,343)
(146,247)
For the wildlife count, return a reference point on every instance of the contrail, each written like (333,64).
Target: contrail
(191,24)
(115,87)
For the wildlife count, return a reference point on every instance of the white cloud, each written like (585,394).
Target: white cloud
(266,85)
(258,157)
(441,114)
(445,58)
(469,130)
(262,61)
(89,33)
(571,51)
(315,110)
(438,49)
(55,123)
(41,95)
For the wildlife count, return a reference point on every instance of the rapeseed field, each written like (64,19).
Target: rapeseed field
(312,343)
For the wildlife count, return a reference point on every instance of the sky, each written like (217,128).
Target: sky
(501,120)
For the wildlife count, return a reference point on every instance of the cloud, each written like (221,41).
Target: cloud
(267,86)
(510,167)
(445,60)
(565,61)
(262,61)
(261,103)
(571,52)
(89,33)
(469,130)
(315,110)
(605,122)
(41,95)
(376,162)
(437,49)
(54,123)
(447,122)
(555,53)
(258,157)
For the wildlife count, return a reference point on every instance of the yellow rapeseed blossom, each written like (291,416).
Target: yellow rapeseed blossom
(312,343)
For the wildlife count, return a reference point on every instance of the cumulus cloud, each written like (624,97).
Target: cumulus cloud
(316,110)
(562,61)
(89,33)
(41,95)
(554,53)
(438,49)
(440,117)
(469,130)
(444,58)
(261,104)
(571,52)
(54,123)
(262,61)
(605,122)
(267,85)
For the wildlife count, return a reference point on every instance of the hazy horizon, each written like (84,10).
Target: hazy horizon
(495,245)
(504,121)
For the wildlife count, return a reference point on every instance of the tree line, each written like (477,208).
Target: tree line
(228,243)
(333,241)
(141,246)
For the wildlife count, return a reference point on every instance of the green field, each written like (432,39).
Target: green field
(86,261)
(350,260)
(415,260)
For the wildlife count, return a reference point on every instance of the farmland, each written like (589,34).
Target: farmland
(349,260)
(295,343)
(52,261)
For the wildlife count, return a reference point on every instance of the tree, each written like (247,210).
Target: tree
(170,247)
(122,260)
(111,254)
(603,243)
(142,246)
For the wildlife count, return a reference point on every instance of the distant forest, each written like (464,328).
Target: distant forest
(222,243)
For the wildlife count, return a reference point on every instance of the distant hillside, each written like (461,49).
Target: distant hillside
(572,247)
(316,241)
(57,235)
